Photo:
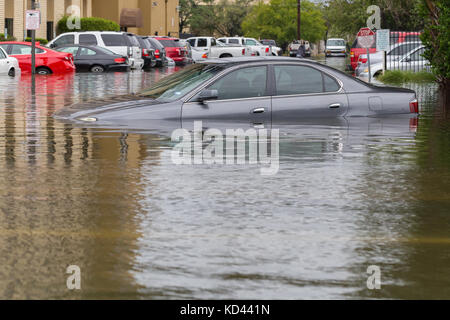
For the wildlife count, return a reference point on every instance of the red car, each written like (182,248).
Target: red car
(47,60)
(174,49)
(396,37)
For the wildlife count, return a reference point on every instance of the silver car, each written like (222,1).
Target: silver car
(249,91)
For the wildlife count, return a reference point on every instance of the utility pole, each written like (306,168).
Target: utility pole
(298,19)
(34,6)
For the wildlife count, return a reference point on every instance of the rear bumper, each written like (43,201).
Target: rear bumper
(118,67)
(136,63)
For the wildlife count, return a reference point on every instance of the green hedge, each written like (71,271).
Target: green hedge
(88,24)
(9,38)
(40,40)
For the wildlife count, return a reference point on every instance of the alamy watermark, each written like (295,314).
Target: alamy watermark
(251,146)
(74,280)
(73,21)
(374,280)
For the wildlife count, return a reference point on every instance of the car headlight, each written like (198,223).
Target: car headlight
(88,119)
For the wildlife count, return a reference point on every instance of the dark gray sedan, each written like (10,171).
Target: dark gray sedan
(254,91)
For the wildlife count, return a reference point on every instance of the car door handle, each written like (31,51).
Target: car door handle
(334,106)
(259,110)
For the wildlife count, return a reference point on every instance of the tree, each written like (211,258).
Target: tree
(436,37)
(187,8)
(211,17)
(278,20)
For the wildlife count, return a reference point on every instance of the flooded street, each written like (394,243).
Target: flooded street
(349,194)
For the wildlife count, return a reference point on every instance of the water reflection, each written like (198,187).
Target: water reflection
(349,193)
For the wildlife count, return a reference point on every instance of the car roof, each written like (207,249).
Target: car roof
(242,60)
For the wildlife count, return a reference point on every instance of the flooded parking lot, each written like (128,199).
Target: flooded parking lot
(349,194)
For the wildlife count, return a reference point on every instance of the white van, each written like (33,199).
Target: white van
(123,43)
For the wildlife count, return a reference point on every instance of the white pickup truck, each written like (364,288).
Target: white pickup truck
(257,48)
(207,47)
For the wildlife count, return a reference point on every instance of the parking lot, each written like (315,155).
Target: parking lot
(138,226)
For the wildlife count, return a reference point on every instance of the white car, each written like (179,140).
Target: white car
(123,43)
(8,65)
(335,47)
(207,47)
(256,47)
(276,51)
(412,61)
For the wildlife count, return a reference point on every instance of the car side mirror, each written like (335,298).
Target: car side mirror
(207,94)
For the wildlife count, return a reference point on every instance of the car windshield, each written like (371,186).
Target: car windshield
(335,43)
(180,83)
(170,43)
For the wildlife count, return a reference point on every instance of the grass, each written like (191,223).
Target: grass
(397,76)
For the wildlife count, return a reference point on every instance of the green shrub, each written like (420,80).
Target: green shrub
(9,38)
(397,76)
(88,24)
(40,40)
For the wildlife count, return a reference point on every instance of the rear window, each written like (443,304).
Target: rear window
(233,41)
(143,43)
(133,40)
(114,40)
(268,42)
(88,39)
(170,43)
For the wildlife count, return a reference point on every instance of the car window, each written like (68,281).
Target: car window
(191,42)
(4,47)
(233,41)
(64,40)
(297,80)
(202,42)
(222,40)
(417,55)
(114,40)
(105,51)
(412,37)
(330,85)
(243,83)
(88,39)
(133,40)
(2,55)
(403,49)
(72,50)
(23,49)
(87,52)
(170,43)
(250,42)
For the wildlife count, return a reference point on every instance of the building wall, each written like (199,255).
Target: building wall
(159,16)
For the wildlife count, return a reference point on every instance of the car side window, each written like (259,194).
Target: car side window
(72,50)
(222,40)
(23,49)
(243,83)
(297,80)
(417,55)
(233,41)
(114,40)
(64,40)
(2,55)
(202,42)
(87,39)
(250,42)
(87,52)
(4,47)
(330,85)
(191,42)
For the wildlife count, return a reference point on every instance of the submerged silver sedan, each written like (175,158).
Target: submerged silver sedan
(253,91)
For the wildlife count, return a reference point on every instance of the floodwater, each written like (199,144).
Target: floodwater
(348,195)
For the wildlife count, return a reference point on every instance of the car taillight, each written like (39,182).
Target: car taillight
(145,53)
(267,49)
(205,55)
(414,106)
(352,54)
(157,53)
(362,60)
(120,60)
(243,52)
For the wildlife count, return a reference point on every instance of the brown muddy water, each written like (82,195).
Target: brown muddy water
(348,195)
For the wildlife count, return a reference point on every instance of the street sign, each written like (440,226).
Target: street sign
(383,40)
(32,19)
(366,37)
